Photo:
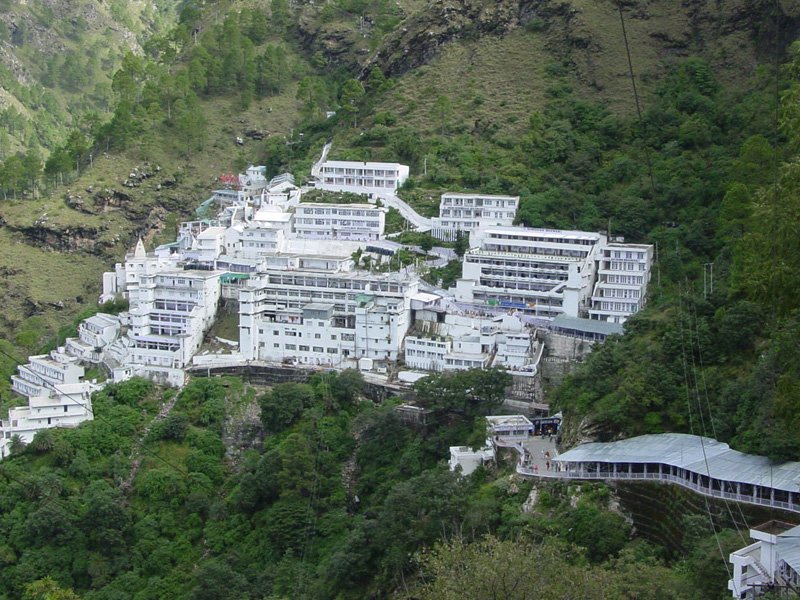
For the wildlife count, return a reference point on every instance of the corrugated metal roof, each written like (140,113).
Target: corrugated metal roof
(701,455)
(789,548)
(587,325)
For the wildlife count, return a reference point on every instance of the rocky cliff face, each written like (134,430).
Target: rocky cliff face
(587,36)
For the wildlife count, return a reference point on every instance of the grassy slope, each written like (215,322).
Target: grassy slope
(72,274)
(60,28)
(499,80)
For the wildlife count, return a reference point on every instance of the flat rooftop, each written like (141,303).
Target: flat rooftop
(342,206)
(586,325)
(546,233)
(509,420)
(477,195)
(318,306)
(211,233)
(352,164)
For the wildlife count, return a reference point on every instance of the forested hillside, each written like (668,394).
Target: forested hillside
(57,59)
(325,495)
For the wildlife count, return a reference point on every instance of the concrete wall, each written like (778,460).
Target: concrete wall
(562,353)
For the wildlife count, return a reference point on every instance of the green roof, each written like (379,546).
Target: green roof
(229,277)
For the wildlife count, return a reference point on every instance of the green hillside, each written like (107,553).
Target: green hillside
(57,59)
(246,492)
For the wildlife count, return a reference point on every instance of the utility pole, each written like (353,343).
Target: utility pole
(708,279)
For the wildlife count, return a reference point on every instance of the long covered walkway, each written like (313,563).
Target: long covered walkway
(701,464)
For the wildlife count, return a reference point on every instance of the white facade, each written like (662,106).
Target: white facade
(459,342)
(208,245)
(468,459)
(622,278)
(372,178)
(470,212)
(250,187)
(66,405)
(94,335)
(326,317)
(126,275)
(541,272)
(44,372)
(773,559)
(361,222)
(170,312)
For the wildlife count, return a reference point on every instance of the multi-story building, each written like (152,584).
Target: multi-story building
(456,342)
(126,275)
(170,312)
(464,213)
(361,222)
(44,372)
(541,272)
(249,187)
(372,178)
(622,276)
(331,316)
(771,562)
(94,335)
(65,405)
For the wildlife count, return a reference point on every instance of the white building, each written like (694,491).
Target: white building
(94,335)
(375,179)
(361,222)
(772,560)
(541,272)
(66,405)
(468,459)
(266,233)
(456,342)
(249,187)
(126,275)
(464,213)
(170,312)
(44,372)
(327,316)
(622,277)
(207,245)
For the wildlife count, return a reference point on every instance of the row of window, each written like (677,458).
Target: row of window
(478,202)
(373,183)
(625,266)
(333,282)
(302,348)
(343,212)
(341,222)
(496,247)
(613,293)
(511,263)
(552,240)
(624,279)
(361,172)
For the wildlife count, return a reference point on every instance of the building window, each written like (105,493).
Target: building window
(291,347)
(303,348)
(319,349)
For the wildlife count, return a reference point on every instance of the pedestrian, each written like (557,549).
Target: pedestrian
(536,469)
(548,465)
